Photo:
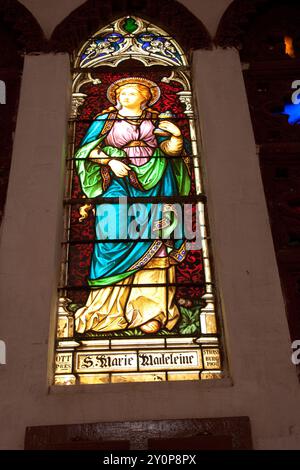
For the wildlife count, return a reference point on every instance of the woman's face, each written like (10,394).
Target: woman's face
(130,97)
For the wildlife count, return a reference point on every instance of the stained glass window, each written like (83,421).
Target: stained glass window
(136,294)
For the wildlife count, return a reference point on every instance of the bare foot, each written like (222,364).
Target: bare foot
(152,326)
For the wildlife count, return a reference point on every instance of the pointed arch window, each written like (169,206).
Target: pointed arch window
(136,295)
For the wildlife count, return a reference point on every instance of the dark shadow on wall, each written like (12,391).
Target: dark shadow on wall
(266,32)
(170,15)
(19,34)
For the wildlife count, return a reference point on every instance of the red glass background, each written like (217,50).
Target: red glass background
(190,272)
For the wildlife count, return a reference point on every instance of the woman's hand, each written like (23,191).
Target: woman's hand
(120,169)
(170,127)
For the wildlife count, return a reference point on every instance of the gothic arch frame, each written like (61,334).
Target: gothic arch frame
(94,14)
(27,31)
(236,19)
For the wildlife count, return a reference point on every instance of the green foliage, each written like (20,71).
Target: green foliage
(190,320)
(131,332)
(115,334)
(73,307)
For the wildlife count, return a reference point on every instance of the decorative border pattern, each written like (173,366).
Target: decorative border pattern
(147,256)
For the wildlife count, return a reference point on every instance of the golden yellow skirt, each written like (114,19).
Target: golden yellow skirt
(131,304)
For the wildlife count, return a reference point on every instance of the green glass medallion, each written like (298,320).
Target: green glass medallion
(130,25)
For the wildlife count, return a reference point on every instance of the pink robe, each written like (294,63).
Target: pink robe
(124,132)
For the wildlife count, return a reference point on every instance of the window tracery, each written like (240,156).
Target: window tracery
(137,298)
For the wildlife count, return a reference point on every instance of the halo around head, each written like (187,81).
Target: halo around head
(153,88)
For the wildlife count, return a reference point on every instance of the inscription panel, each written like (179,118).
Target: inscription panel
(106,362)
(162,359)
(172,359)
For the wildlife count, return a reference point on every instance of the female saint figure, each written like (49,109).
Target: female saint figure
(125,154)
